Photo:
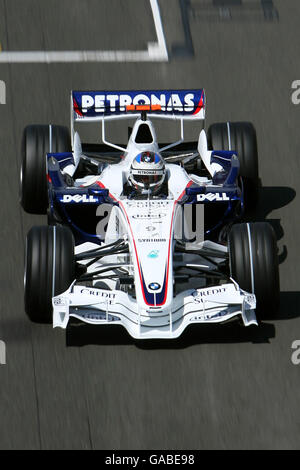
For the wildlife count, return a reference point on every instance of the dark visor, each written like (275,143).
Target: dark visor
(147,180)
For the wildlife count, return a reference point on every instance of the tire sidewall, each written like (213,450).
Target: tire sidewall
(40,265)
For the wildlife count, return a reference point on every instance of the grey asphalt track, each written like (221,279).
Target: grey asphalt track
(214,388)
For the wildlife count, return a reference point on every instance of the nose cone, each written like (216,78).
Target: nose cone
(151,224)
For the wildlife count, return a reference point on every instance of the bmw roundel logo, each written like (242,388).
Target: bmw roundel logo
(154,286)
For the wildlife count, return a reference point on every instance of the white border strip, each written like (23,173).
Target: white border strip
(156,52)
(251,259)
(50,138)
(54,261)
(229,138)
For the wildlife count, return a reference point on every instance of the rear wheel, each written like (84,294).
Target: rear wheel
(35,146)
(254,264)
(49,269)
(239,137)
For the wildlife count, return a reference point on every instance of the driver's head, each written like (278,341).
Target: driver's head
(147,172)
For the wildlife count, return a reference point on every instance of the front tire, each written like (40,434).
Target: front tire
(49,269)
(33,178)
(239,137)
(254,264)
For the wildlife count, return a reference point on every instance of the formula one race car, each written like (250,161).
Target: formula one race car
(141,235)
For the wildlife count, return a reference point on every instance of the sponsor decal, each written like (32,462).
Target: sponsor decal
(153,254)
(174,101)
(148,204)
(59,301)
(148,172)
(212,197)
(251,300)
(207,316)
(78,198)
(110,296)
(152,240)
(147,159)
(98,316)
(199,296)
(154,286)
(156,235)
(149,216)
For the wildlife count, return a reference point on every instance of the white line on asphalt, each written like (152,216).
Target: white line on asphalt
(159,48)
(2,92)
(156,52)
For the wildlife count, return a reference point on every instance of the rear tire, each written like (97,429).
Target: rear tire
(242,140)
(43,258)
(258,239)
(33,180)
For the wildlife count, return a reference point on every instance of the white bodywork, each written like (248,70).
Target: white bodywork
(207,305)
(148,227)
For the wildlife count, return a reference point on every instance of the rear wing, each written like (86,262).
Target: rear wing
(176,104)
(93,106)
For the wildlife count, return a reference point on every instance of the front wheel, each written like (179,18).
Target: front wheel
(49,269)
(254,264)
(33,174)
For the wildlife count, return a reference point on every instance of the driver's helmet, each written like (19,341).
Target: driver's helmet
(147,172)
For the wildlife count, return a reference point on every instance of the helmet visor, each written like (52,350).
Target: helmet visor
(147,178)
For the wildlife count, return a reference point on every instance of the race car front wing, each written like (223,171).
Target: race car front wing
(106,307)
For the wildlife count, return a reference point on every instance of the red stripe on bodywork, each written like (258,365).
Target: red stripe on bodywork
(134,244)
(169,249)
